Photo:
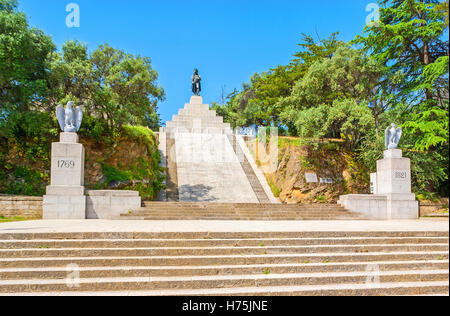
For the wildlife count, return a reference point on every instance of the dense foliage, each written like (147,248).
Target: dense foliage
(113,88)
(396,71)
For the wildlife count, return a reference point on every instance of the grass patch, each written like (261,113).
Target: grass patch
(4,219)
(275,190)
(138,173)
(321,198)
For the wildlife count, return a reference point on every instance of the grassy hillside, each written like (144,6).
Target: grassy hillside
(328,159)
(129,161)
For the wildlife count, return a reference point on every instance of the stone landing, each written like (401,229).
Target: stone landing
(203,163)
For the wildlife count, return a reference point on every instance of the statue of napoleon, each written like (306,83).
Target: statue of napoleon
(196,83)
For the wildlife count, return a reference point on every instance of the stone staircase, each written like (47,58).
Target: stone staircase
(172,192)
(251,176)
(204,161)
(236,211)
(223,264)
(197,117)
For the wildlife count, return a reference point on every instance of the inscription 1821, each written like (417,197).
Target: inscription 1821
(401,175)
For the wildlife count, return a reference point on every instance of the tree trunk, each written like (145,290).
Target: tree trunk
(426,61)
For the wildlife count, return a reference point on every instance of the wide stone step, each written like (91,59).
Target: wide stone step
(220,235)
(190,124)
(196,112)
(234,212)
(240,205)
(436,288)
(273,207)
(152,271)
(191,118)
(240,214)
(196,107)
(222,281)
(148,243)
(254,219)
(305,258)
(243,210)
(185,216)
(236,218)
(212,251)
(239,211)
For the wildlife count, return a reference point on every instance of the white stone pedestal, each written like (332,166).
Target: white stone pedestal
(110,204)
(393,198)
(65,197)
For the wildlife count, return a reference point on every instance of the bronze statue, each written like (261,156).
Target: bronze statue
(196,83)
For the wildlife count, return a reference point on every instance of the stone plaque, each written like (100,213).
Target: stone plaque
(373,183)
(326,180)
(311,177)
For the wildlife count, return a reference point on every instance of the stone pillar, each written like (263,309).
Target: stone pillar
(393,198)
(65,198)
(394,181)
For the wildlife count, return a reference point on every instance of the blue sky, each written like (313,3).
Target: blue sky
(227,41)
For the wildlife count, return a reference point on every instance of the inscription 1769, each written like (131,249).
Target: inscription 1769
(66,164)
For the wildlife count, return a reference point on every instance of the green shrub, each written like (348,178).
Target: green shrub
(321,198)
(275,190)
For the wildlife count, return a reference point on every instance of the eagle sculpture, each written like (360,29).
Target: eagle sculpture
(393,135)
(68,118)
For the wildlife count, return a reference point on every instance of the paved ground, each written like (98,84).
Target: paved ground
(220,226)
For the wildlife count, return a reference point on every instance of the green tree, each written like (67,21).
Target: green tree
(407,39)
(443,8)
(344,119)
(24,54)
(410,41)
(257,102)
(349,74)
(312,51)
(113,86)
